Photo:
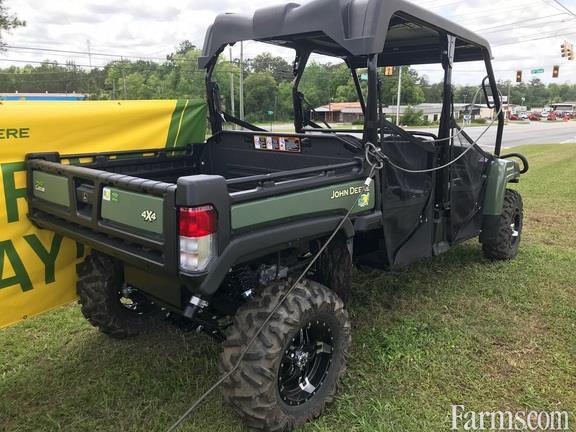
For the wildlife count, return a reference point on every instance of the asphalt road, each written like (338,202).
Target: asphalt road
(542,132)
(521,134)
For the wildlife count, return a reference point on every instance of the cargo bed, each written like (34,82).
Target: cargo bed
(126,203)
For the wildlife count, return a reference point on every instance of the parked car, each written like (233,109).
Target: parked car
(513,117)
(523,116)
(534,117)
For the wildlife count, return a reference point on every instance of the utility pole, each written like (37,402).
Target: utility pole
(89,63)
(398,96)
(124,79)
(241,80)
(89,53)
(233,110)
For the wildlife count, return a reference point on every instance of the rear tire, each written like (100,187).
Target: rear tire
(505,245)
(100,284)
(293,368)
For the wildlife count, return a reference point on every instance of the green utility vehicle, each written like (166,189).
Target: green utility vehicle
(215,233)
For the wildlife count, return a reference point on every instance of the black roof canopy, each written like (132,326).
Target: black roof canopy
(351,29)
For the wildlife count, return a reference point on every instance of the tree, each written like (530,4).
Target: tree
(266,62)
(7,22)
(412,91)
(285,108)
(320,82)
(465,94)
(261,93)
(413,118)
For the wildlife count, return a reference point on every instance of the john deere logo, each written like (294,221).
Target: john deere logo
(363,200)
(149,216)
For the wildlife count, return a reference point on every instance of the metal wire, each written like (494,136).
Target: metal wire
(243,353)
(375,152)
(375,158)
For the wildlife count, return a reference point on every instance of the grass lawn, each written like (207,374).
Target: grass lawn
(455,329)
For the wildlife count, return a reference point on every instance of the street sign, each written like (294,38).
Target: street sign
(270,113)
(537,71)
(364,77)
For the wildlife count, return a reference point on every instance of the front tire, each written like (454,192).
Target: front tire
(335,268)
(505,245)
(293,368)
(100,289)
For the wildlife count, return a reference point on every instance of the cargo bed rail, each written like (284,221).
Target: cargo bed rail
(75,208)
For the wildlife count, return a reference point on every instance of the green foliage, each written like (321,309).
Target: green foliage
(261,95)
(284,109)
(536,94)
(267,83)
(8,21)
(413,118)
(277,66)
(412,88)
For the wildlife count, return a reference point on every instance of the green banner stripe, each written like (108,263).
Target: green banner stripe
(188,123)
(174,122)
(192,128)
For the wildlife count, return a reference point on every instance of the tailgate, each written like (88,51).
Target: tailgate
(131,218)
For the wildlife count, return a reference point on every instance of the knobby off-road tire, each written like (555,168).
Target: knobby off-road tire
(99,286)
(505,245)
(262,390)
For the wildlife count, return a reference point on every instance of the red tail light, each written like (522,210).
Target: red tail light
(197,232)
(197,222)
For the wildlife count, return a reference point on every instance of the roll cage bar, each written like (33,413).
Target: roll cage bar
(449,48)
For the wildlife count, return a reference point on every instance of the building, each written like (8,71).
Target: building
(350,112)
(339,112)
(42,96)
(564,107)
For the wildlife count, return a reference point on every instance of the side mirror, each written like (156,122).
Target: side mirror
(485,88)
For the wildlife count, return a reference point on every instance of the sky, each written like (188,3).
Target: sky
(525,34)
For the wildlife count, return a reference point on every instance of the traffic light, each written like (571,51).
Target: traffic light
(389,71)
(567,50)
(518,76)
(556,71)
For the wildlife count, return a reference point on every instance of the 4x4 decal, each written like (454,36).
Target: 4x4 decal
(149,215)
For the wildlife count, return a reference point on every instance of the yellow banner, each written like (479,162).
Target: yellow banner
(38,267)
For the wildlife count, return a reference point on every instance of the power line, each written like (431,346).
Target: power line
(558,35)
(86,53)
(559,3)
(508,25)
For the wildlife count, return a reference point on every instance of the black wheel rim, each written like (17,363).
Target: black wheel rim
(515,227)
(306,362)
